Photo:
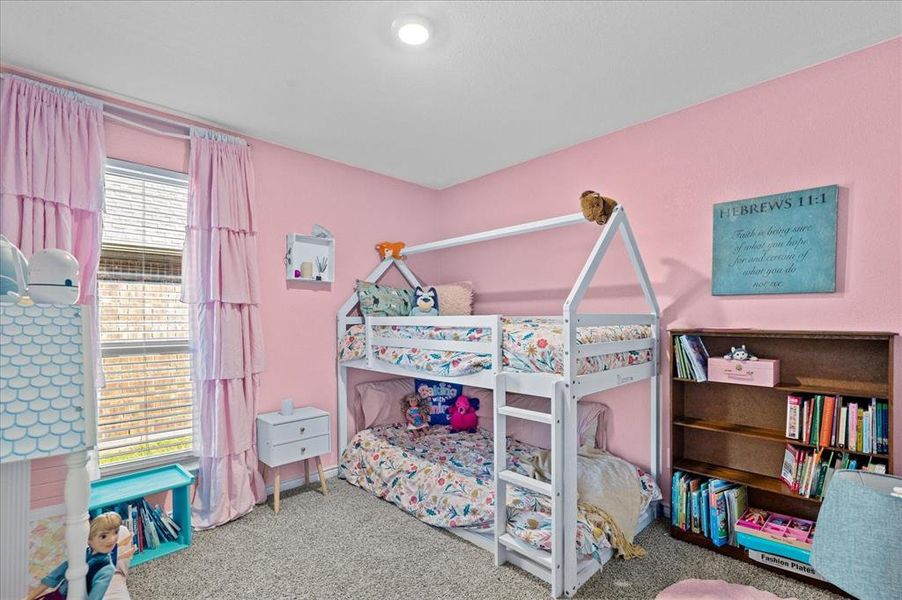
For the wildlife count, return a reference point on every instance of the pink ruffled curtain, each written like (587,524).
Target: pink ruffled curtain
(51,173)
(219,279)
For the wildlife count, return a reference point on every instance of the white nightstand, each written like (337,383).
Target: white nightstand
(283,439)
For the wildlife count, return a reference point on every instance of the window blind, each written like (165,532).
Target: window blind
(145,409)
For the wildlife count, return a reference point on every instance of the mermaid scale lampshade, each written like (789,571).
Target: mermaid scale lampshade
(858,541)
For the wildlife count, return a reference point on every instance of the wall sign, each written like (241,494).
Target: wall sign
(780,244)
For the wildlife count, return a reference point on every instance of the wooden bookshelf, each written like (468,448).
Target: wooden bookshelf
(737,432)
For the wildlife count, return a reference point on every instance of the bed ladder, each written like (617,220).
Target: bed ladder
(537,562)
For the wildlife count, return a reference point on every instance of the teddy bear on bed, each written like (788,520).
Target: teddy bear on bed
(462,414)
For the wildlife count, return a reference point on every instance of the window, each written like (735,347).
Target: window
(145,410)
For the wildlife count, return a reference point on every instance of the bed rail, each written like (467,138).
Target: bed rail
(491,347)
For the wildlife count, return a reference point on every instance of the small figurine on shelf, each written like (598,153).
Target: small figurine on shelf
(739,353)
(416,414)
(105,537)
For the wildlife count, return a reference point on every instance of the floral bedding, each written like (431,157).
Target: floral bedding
(446,480)
(529,345)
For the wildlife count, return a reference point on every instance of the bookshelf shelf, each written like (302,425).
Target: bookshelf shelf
(752,480)
(857,389)
(837,449)
(761,433)
(112,492)
(844,388)
(724,427)
(737,432)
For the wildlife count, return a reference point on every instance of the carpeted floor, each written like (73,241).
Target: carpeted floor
(353,545)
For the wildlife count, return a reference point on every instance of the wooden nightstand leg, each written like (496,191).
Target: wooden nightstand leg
(306,471)
(277,486)
(322,477)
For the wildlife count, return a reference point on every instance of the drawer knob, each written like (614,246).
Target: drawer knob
(303,429)
(303,450)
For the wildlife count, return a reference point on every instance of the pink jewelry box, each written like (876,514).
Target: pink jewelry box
(762,372)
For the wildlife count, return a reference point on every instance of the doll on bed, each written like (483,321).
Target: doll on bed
(102,555)
(415,410)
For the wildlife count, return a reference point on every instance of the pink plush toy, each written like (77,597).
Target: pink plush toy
(463,414)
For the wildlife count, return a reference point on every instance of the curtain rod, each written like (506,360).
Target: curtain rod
(107,104)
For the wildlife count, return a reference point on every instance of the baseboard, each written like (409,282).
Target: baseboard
(290,484)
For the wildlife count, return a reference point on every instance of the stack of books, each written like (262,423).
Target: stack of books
(808,471)
(831,421)
(691,357)
(150,525)
(775,533)
(709,507)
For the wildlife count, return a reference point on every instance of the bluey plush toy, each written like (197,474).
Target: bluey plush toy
(425,302)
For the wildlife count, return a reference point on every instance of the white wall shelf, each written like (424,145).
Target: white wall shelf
(311,249)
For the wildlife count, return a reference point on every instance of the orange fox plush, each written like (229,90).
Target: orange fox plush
(392,249)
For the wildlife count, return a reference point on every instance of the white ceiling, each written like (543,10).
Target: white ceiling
(501,82)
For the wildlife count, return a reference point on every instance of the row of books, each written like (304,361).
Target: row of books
(808,471)
(832,421)
(691,357)
(150,525)
(709,507)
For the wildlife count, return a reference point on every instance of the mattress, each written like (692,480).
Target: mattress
(529,345)
(446,480)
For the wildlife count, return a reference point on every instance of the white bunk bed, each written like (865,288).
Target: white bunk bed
(561,567)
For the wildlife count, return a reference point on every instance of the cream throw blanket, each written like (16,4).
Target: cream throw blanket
(608,491)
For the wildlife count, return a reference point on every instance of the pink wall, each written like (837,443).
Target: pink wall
(839,122)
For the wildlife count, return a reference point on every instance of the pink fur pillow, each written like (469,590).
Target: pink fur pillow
(455,298)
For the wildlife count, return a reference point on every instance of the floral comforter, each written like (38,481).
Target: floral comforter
(529,345)
(446,479)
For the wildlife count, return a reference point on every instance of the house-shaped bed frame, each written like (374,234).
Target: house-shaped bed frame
(561,567)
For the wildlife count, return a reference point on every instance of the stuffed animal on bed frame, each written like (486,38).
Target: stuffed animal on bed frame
(390,249)
(462,414)
(596,207)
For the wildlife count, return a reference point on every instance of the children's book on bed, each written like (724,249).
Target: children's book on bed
(441,397)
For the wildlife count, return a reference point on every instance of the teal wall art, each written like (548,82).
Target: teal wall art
(780,244)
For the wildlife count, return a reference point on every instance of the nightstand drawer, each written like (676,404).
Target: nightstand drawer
(297,450)
(298,430)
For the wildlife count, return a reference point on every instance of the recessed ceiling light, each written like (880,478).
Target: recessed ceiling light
(412,30)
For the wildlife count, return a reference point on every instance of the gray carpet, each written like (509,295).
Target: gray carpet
(353,545)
